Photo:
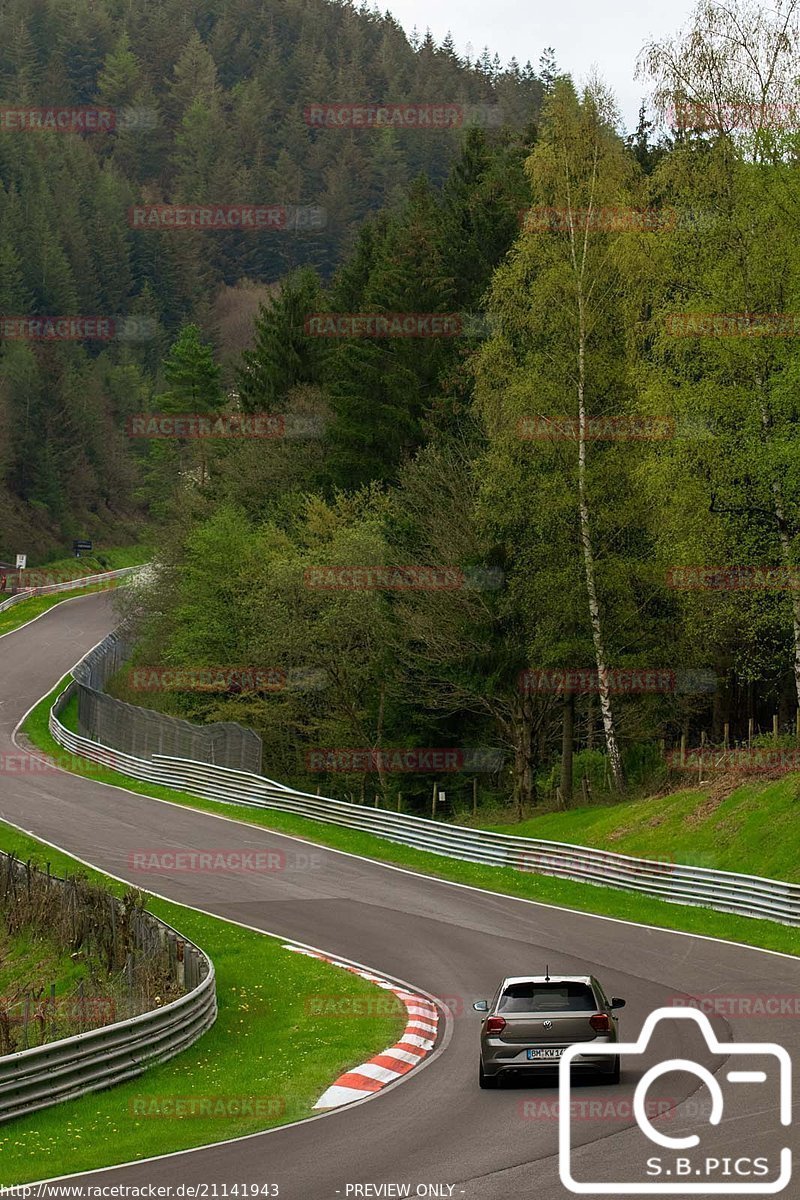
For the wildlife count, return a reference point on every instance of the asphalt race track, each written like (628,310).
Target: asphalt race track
(435,1129)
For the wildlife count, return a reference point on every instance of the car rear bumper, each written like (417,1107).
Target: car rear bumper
(507,1059)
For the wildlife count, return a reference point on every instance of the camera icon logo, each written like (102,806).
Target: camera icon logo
(677,1171)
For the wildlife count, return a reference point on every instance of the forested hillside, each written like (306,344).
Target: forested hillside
(558,511)
(574,526)
(208,101)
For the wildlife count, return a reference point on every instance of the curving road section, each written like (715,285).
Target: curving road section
(434,1133)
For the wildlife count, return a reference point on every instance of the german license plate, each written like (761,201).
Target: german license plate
(555,1052)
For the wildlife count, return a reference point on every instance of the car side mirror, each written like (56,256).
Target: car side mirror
(616,1002)
(481,1006)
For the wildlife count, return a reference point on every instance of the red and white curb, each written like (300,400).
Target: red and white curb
(417,1041)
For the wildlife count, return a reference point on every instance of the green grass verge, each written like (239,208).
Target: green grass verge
(266,1047)
(753,829)
(29,962)
(601,901)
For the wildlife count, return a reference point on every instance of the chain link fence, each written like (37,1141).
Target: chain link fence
(141,732)
(59,1048)
(134,962)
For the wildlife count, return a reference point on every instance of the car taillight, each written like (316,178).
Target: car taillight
(495,1024)
(600,1023)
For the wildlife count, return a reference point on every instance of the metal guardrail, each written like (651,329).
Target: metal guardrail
(724,891)
(69,585)
(62,1070)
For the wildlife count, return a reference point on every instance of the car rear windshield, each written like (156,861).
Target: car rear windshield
(547,997)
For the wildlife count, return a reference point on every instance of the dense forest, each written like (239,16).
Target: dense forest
(203,102)
(555,536)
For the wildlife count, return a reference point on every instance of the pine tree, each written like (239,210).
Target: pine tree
(381,387)
(192,374)
(448,49)
(284,355)
(548,68)
(14,299)
(194,77)
(120,77)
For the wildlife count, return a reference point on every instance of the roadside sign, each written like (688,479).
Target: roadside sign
(81,547)
(22,560)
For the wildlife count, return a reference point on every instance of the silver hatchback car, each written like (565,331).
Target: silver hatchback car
(533,1018)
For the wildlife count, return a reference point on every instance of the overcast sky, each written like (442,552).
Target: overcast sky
(607,34)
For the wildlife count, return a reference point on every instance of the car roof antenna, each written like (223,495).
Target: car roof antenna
(547,973)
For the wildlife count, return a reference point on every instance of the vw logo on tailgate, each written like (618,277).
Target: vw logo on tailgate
(547,1024)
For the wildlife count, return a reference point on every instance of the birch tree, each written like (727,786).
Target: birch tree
(729,85)
(560,353)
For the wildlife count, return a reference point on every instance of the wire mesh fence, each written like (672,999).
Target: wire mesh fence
(141,732)
(131,962)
